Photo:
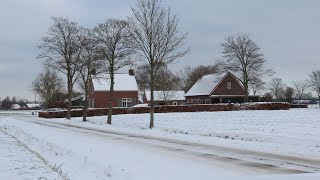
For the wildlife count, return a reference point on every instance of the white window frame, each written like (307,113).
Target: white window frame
(126,102)
(229,85)
(175,103)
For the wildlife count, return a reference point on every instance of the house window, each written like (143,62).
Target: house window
(228,85)
(175,103)
(208,101)
(126,102)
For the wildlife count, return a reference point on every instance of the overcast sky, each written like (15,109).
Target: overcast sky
(288,32)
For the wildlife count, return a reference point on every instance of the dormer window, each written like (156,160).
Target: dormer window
(228,85)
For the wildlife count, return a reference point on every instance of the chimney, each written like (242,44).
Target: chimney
(131,72)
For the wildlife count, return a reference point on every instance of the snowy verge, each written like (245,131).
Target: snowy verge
(62,160)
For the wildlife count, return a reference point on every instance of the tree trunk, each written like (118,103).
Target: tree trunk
(246,98)
(319,100)
(85,105)
(152,98)
(111,97)
(69,98)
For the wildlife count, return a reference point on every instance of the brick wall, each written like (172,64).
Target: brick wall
(222,89)
(101,98)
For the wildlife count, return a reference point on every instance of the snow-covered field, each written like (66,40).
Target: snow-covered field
(295,131)
(17,162)
(119,151)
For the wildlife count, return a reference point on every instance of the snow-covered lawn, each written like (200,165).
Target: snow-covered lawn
(84,155)
(295,131)
(17,162)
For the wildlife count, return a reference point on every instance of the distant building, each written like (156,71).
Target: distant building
(15,106)
(218,89)
(76,101)
(125,91)
(33,106)
(165,97)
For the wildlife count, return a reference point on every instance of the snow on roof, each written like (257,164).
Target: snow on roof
(204,85)
(169,95)
(33,105)
(122,82)
(15,106)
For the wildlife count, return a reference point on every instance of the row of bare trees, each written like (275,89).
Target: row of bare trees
(151,35)
(7,102)
(298,89)
(83,53)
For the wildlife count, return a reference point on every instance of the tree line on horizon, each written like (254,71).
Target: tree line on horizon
(149,38)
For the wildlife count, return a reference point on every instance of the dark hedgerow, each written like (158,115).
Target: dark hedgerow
(169,109)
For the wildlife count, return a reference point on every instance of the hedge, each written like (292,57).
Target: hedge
(168,109)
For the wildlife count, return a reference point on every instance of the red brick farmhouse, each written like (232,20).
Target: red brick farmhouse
(217,89)
(125,91)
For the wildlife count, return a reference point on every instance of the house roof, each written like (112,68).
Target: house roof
(171,95)
(122,82)
(205,85)
(79,97)
(33,105)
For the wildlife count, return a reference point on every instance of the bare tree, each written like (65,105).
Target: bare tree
(276,87)
(242,57)
(300,87)
(165,79)
(166,82)
(112,38)
(288,94)
(156,38)
(61,49)
(48,86)
(88,64)
(257,85)
(314,82)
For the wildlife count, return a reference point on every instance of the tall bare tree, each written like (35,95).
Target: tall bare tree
(242,57)
(89,64)
(314,82)
(300,88)
(276,87)
(48,85)
(60,48)
(156,38)
(112,37)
